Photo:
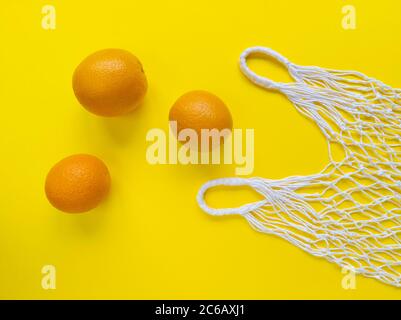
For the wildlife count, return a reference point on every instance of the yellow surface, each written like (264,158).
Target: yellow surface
(150,240)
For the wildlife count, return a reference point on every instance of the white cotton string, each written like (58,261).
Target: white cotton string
(228,182)
(350,212)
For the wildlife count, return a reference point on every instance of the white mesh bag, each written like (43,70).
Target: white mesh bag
(350,212)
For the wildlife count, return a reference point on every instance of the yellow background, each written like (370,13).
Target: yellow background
(150,239)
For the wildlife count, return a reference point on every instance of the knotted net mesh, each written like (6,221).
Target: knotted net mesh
(350,212)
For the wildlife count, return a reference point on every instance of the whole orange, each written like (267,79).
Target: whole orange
(199,110)
(77,183)
(110,82)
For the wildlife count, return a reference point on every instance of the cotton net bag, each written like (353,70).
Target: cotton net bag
(350,212)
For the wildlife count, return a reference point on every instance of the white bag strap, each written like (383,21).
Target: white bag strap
(226,211)
(262,81)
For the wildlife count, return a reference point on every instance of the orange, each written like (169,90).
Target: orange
(110,82)
(199,110)
(77,183)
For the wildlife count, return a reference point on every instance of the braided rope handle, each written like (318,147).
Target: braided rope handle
(263,81)
(226,211)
